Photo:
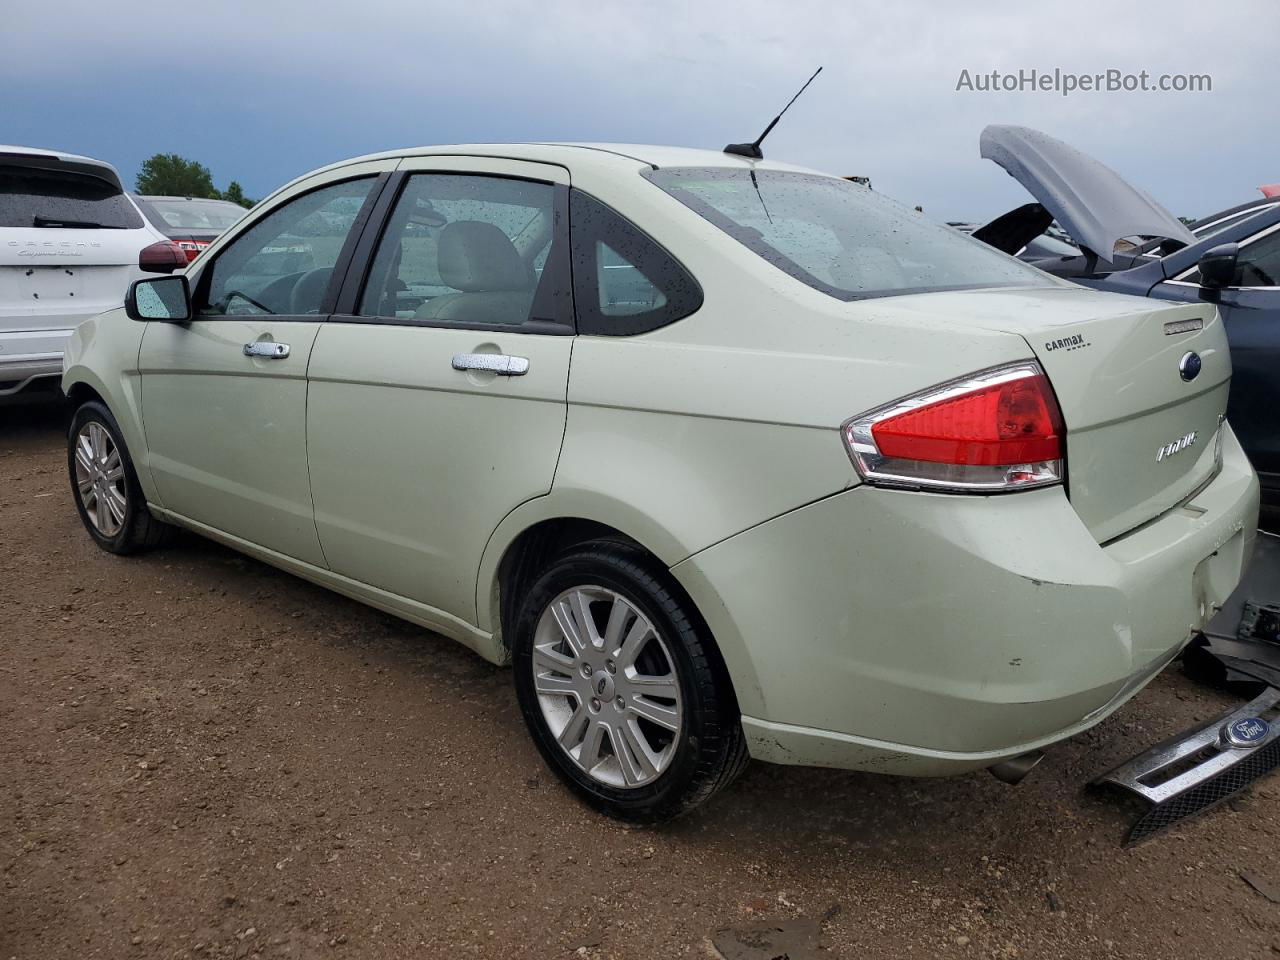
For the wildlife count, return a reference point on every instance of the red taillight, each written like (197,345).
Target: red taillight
(998,425)
(1000,429)
(162,257)
(191,248)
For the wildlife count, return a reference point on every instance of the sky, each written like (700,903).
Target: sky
(262,92)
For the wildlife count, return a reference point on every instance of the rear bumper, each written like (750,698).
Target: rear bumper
(928,634)
(30,355)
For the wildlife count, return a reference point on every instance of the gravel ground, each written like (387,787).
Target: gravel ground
(205,757)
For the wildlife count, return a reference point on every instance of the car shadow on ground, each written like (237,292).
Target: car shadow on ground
(806,805)
(771,806)
(32,416)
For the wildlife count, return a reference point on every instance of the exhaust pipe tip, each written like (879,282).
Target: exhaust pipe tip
(1013,770)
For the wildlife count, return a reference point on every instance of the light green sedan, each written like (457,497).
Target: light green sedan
(728,458)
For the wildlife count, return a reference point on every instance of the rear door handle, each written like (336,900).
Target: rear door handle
(266,349)
(499,363)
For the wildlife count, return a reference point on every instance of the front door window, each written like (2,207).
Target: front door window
(282,265)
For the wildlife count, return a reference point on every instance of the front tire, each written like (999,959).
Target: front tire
(621,686)
(105,485)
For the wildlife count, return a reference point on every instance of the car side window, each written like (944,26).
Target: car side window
(1259,263)
(283,263)
(466,249)
(624,282)
(1257,266)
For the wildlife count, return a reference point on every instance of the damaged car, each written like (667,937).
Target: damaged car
(727,458)
(1131,244)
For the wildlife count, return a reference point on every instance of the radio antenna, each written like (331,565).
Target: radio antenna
(752,150)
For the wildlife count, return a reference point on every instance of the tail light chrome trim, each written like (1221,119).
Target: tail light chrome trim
(881,470)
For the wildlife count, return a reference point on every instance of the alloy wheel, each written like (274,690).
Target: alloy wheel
(100,479)
(607,686)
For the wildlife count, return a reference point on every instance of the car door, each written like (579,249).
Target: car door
(1250,310)
(438,389)
(224,396)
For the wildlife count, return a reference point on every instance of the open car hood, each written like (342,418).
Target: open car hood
(1091,201)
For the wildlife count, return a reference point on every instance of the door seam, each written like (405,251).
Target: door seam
(306,440)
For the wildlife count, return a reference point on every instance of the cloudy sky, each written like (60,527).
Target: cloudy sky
(263,91)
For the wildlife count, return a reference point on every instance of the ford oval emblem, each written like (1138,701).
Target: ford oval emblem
(1246,732)
(1189,366)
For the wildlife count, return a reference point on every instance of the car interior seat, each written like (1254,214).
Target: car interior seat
(494,284)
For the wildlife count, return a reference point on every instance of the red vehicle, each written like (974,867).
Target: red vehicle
(191,222)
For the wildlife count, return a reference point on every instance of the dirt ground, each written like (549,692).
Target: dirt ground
(204,757)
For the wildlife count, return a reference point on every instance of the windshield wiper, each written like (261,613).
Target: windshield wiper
(79,224)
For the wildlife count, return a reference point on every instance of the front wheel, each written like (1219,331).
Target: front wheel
(621,687)
(105,486)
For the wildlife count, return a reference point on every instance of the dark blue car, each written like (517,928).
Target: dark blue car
(1130,244)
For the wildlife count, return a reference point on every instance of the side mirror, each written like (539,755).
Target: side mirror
(163,257)
(167,299)
(1218,266)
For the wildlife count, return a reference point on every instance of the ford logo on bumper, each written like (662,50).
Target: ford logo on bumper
(1189,366)
(1246,732)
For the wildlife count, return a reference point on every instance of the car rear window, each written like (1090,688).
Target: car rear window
(32,197)
(840,237)
(211,215)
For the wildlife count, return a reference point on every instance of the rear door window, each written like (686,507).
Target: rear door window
(467,249)
(33,197)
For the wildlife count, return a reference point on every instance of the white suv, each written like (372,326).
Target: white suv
(70,244)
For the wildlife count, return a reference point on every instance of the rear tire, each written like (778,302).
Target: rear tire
(639,719)
(104,485)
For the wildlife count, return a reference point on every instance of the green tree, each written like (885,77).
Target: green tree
(167,174)
(235,193)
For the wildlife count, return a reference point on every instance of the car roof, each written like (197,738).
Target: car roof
(621,156)
(56,160)
(1257,202)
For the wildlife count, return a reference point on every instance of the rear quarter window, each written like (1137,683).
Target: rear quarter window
(33,197)
(624,282)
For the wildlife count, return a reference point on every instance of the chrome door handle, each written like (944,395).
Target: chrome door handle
(266,349)
(499,363)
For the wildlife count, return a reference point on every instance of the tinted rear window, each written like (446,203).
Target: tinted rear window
(206,215)
(840,237)
(31,197)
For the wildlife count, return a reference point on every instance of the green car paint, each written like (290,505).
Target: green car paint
(868,628)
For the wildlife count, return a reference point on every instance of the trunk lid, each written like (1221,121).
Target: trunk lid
(1140,438)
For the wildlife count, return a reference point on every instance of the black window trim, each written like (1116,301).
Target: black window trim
(589,321)
(341,266)
(365,250)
